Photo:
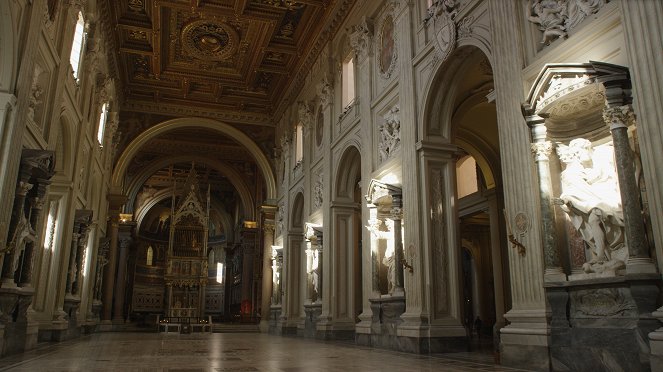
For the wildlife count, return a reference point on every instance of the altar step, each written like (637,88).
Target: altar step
(235,328)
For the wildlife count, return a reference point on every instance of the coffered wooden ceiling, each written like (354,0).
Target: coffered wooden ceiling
(233,58)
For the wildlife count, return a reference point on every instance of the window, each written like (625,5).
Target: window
(299,144)
(102,124)
(219,272)
(348,82)
(466,176)
(150,255)
(51,226)
(77,45)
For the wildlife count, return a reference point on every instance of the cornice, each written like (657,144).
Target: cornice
(242,117)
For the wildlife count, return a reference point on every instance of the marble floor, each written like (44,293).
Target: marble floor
(229,352)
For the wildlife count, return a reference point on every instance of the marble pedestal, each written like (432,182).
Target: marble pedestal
(313,312)
(19,333)
(387,313)
(68,328)
(602,324)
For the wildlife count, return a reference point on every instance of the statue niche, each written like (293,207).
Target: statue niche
(590,197)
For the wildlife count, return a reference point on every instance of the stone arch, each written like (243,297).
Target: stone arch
(438,109)
(297,212)
(349,167)
(233,176)
(64,156)
(441,111)
(132,149)
(7,49)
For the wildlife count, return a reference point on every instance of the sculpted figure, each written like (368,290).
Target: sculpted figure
(550,16)
(590,196)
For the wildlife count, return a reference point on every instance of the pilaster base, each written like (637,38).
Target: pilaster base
(524,342)
(274,316)
(105,326)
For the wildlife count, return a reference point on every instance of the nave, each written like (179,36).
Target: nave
(230,352)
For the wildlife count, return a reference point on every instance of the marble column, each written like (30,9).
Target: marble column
(618,118)
(642,22)
(396,214)
(541,149)
(37,205)
(109,273)
(71,270)
(10,263)
(267,274)
(120,283)
(102,261)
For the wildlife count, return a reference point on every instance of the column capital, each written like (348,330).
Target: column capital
(618,116)
(541,150)
(361,37)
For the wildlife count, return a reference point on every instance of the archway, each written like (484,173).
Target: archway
(460,113)
(134,147)
(346,231)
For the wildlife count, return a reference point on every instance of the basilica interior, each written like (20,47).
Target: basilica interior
(413,177)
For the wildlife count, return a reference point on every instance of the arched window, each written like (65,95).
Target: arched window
(102,124)
(77,45)
(150,256)
(348,82)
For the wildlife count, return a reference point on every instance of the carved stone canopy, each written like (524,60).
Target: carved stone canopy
(40,164)
(380,193)
(571,97)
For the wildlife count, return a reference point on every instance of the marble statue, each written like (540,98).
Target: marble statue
(590,197)
(389,258)
(315,275)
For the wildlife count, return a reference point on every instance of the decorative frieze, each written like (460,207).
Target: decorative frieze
(390,134)
(318,189)
(305,117)
(556,18)
(325,91)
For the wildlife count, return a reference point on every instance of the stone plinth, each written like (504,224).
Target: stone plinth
(19,334)
(313,312)
(600,324)
(384,324)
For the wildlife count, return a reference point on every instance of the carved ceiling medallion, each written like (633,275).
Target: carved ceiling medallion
(209,40)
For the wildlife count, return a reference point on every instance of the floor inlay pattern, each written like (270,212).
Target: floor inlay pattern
(228,352)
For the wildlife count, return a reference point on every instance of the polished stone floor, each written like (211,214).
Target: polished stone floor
(229,352)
